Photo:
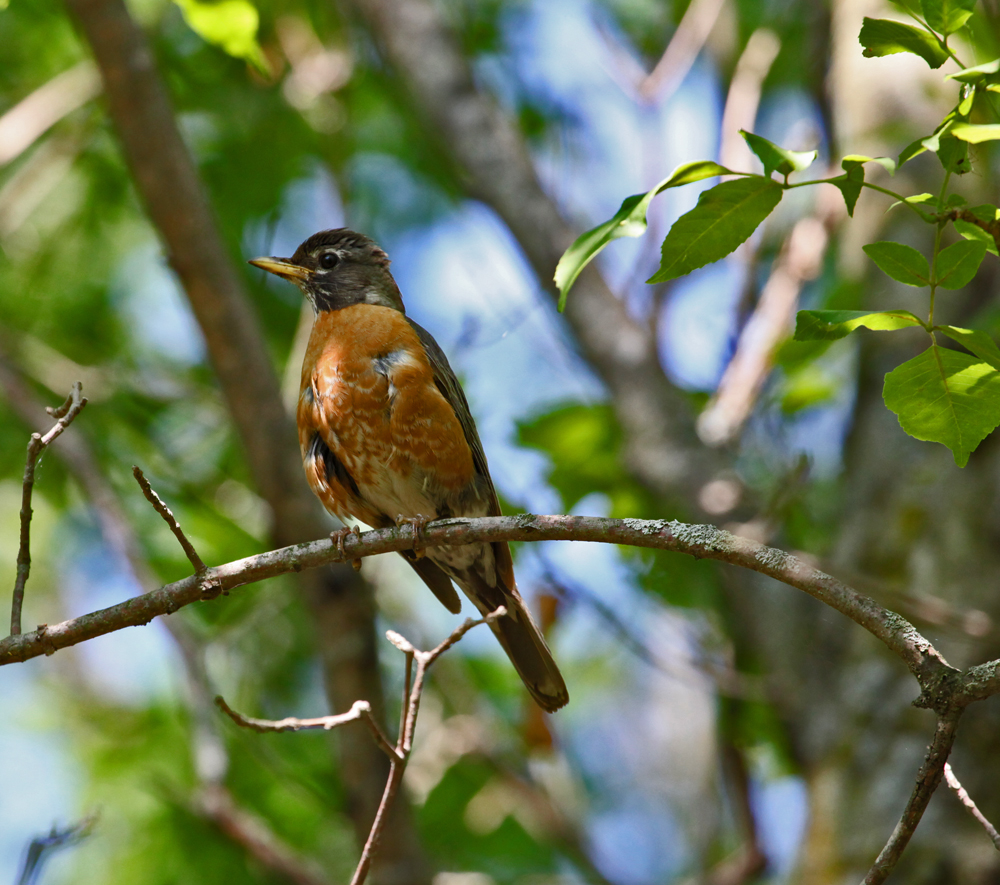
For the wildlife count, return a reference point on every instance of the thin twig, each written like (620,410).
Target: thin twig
(169,518)
(970,805)
(64,415)
(404,742)
(360,711)
(928,778)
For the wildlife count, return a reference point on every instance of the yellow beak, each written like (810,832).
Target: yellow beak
(282,268)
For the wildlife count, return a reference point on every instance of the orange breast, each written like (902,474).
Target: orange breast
(368,389)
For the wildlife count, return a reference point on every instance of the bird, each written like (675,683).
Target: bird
(387,437)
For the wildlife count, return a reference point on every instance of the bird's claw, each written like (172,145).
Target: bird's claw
(338,538)
(418,523)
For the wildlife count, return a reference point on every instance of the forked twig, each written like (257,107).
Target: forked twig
(64,416)
(413,686)
(970,806)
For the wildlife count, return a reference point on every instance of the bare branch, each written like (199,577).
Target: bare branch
(361,711)
(404,743)
(935,675)
(168,517)
(216,803)
(65,415)
(31,117)
(743,97)
(928,778)
(963,796)
(682,50)
(800,260)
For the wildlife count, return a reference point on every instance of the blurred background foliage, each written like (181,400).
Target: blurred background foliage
(720,726)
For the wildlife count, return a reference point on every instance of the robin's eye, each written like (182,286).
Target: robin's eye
(329,260)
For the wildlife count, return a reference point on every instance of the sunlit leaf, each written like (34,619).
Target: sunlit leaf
(979,72)
(945,396)
(974,134)
(229,24)
(957,265)
(724,218)
(971,232)
(880,36)
(947,16)
(978,342)
(852,160)
(628,221)
(775,158)
(903,263)
(829,325)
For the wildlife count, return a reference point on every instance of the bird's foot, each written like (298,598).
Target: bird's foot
(418,523)
(338,538)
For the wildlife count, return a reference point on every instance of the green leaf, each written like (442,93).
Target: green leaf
(947,16)
(918,200)
(628,221)
(947,397)
(954,154)
(230,24)
(829,325)
(778,159)
(851,182)
(978,342)
(724,218)
(903,263)
(850,185)
(880,36)
(852,160)
(912,150)
(979,72)
(968,230)
(957,265)
(975,134)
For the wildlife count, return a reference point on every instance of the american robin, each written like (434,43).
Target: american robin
(387,436)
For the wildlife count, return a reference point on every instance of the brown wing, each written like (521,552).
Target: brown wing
(452,391)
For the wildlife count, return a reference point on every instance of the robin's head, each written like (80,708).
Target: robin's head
(338,268)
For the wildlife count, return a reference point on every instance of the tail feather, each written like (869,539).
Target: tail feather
(521,639)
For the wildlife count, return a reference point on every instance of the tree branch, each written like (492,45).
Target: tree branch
(937,678)
(169,518)
(928,778)
(37,444)
(31,117)
(963,796)
(216,803)
(361,710)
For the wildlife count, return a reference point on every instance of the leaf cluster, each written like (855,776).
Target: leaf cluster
(942,395)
